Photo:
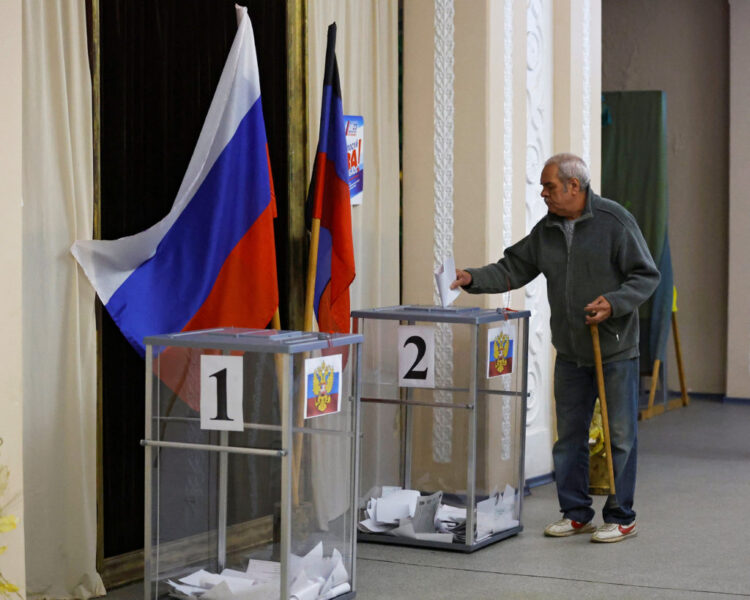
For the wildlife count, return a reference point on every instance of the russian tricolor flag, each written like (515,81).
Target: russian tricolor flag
(211,262)
(329,195)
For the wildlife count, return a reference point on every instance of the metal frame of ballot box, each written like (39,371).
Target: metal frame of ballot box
(474,318)
(283,346)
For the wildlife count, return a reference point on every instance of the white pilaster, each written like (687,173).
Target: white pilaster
(509,117)
(577,80)
(540,95)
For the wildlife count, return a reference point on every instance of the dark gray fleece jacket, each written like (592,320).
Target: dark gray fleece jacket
(608,257)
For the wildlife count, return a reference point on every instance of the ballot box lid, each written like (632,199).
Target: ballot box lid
(440,314)
(255,340)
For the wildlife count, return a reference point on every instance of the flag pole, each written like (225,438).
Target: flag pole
(309,301)
(276,324)
(312,265)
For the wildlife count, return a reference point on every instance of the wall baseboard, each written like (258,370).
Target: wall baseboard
(714,397)
(128,568)
(735,400)
(533,482)
(724,399)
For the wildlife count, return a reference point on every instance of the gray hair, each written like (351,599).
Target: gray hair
(570,166)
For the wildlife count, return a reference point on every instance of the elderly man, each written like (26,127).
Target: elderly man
(598,270)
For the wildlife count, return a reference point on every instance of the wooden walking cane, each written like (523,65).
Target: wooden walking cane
(603,403)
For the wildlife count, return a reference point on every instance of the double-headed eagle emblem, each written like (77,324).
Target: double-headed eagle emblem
(500,350)
(322,386)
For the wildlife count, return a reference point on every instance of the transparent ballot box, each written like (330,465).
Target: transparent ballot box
(251,454)
(443,425)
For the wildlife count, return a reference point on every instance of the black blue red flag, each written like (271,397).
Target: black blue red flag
(328,200)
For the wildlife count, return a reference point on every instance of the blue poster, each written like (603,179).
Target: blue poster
(354,130)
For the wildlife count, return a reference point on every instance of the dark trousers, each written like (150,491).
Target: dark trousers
(575,395)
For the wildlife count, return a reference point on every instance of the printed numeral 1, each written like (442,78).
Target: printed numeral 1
(221,396)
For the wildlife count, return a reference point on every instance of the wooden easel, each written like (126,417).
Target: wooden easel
(683,400)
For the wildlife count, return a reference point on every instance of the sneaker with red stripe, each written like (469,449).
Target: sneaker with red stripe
(614,532)
(566,527)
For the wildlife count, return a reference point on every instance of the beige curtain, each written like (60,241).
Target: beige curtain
(59,347)
(367,54)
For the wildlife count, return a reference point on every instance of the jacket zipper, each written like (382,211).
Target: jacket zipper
(567,289)
(613,331)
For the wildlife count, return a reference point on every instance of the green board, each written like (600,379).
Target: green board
(634,173)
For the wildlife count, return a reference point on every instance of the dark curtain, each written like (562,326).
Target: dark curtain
(160,63)
(634,173)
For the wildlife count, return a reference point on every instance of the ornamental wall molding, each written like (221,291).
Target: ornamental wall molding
(506,435)
(538,131)
(442,427)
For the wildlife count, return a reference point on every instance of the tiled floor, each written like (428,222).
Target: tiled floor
(692,500)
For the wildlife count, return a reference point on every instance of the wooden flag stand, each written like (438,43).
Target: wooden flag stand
(652,410)
(608,485)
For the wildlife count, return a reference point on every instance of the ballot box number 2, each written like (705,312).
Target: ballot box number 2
(221,393)
(416,356)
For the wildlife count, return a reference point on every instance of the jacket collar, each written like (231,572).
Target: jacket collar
(588,211)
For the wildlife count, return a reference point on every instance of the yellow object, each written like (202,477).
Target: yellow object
(596,433)
(598,470)
(8,523)
(674,298)
(6,587)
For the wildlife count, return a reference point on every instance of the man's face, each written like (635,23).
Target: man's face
(564,200)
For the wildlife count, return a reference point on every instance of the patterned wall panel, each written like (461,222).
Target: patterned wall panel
(442,428)
(539,141)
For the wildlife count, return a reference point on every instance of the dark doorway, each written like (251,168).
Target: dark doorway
(159,65)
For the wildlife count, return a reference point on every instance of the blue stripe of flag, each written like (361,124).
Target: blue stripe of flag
(323,273)
(332,139)
(179,277)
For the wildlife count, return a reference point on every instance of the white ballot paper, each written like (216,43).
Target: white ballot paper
(264,591)
(372,526)
(184,591)
(444,276)
(424,517)
(448,518)
(387,490)
(313,577)
(396,505)
(223,591)
(264,571)
(408,514)
(495,514)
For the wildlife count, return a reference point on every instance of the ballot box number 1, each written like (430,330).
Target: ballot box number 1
(221,393)
(416,356)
